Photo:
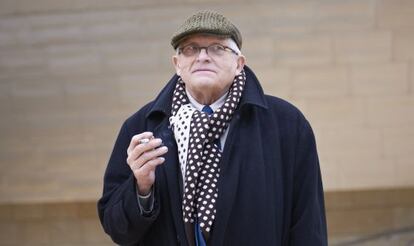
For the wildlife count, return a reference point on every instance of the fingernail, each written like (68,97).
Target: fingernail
(158,140)
(144,140)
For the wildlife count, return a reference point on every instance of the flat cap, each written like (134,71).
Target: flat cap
(208,22)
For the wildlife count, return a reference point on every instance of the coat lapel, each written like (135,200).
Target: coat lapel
(173,175)
(228,183)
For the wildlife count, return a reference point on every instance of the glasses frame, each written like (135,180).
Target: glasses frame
(199,48)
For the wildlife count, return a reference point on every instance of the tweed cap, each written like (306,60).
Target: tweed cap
(207,22)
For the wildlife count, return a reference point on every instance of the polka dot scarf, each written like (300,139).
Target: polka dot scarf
(196,133)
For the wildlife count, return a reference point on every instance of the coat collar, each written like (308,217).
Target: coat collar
(252,95)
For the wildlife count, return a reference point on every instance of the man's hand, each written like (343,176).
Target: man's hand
(143,158)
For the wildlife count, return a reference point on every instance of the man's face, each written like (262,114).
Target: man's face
(207,77)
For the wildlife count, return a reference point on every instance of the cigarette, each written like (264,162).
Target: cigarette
(144,141)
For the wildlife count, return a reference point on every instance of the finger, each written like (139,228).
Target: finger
(145,152)
(150,166)
(145,147)
(149,155)
(135,140)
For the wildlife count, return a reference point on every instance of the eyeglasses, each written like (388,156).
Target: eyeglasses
(214,50)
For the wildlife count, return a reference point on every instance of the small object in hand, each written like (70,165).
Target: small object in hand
(144,141)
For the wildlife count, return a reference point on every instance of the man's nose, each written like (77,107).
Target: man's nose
(203,55)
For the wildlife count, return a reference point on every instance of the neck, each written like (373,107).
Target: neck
(206,99)
(214,105)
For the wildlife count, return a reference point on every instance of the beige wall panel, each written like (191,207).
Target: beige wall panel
(275,80)
(404,171)
(258,51)
(72,71)
(21,60)
(350,142)
(304,50)
(390,111)
(395,14)
(7,38)
(411,79)
(403,49)
(25,6)
(335,112)
(132,92)
(361,47)
(330,170)
(379,79)
(5,97)
(397,142)
(291,19)
(361,172)
(344,15)
(320,82)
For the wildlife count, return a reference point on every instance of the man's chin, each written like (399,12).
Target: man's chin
(204,80)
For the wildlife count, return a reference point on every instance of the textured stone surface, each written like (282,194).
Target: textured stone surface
(72,71)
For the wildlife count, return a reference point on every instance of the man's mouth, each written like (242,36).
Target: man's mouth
(203,70)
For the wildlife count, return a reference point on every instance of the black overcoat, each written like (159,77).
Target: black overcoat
(270,189)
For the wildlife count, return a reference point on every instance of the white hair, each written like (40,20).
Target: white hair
(232,44)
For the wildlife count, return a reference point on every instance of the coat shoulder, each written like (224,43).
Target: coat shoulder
(284,109)
(290,120)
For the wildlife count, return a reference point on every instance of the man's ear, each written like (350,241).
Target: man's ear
(241,61)
(176,65)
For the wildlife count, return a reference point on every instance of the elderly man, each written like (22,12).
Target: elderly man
(213,160)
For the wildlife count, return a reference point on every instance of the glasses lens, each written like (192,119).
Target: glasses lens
(216,50)
(189,50)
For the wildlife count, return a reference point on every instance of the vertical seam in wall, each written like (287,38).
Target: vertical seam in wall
(333,48)
(410,78)
(375,3)
(291,86)
(392,48)
(350,88)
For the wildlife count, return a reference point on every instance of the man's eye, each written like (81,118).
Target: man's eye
(191,48)
(217,47)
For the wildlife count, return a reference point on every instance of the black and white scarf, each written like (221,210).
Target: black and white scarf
(195,133)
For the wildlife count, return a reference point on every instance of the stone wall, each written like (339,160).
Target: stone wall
(72,71)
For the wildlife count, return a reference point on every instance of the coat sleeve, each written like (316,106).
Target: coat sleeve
(308,211)
(118,207)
